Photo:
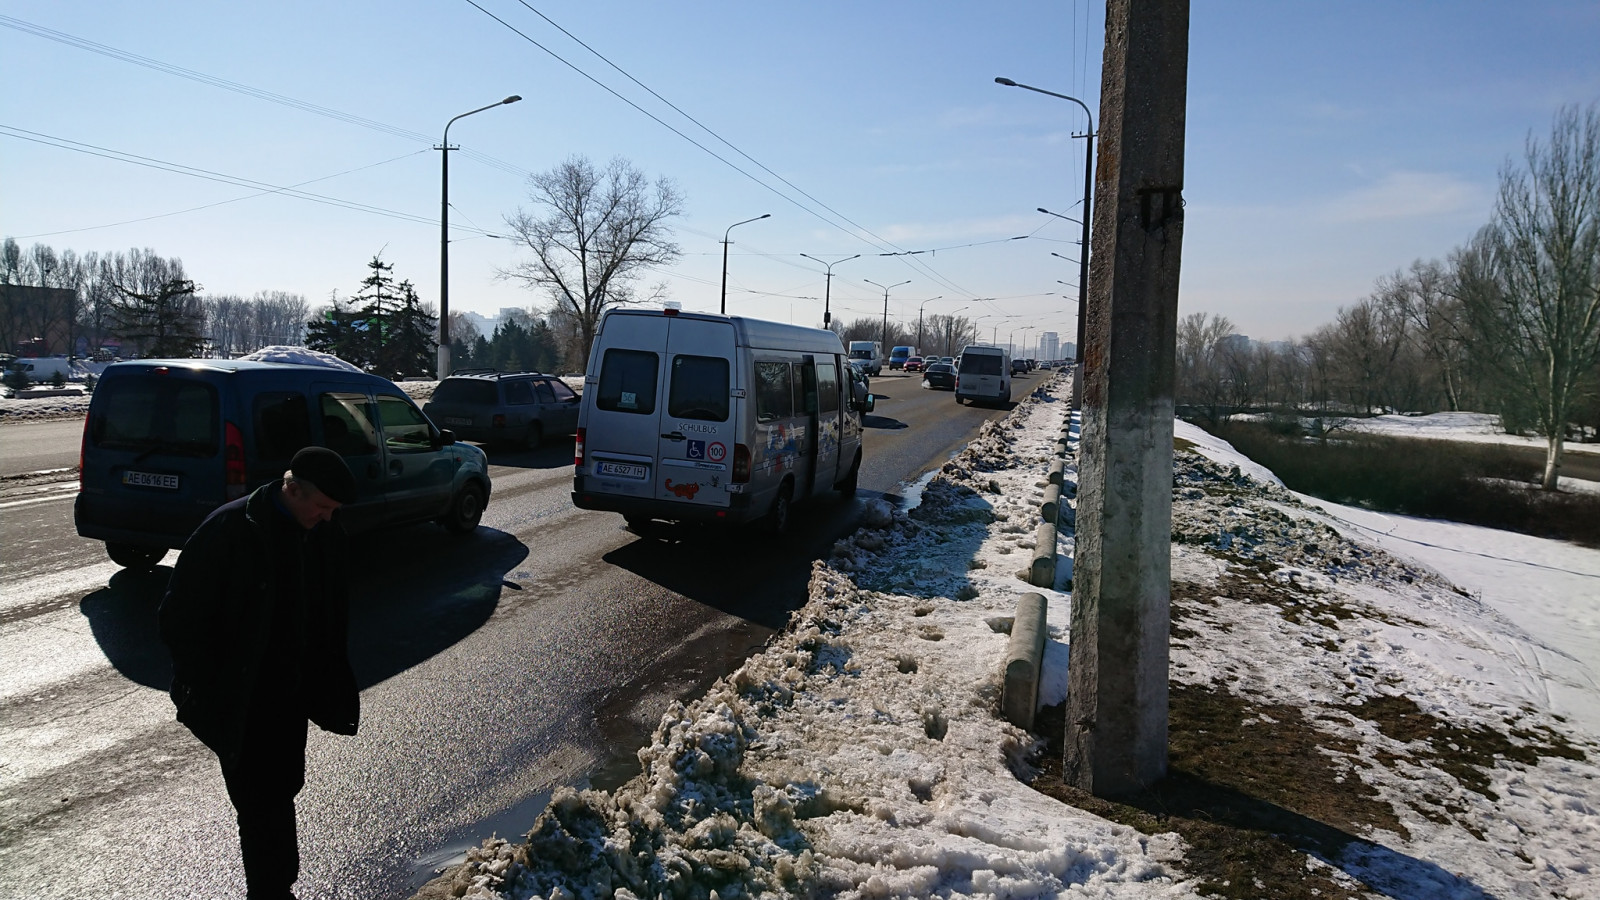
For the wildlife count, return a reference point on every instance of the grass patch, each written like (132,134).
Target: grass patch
(1433,479)
(1250,789)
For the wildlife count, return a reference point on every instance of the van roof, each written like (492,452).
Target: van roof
(758,333)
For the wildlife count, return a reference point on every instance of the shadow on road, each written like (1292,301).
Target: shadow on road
(416,592)
(743,572)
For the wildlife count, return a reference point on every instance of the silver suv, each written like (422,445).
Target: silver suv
(515,408)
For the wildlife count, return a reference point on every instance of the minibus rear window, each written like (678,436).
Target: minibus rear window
(157,414)
(699,388)
(980,364)
(628,381)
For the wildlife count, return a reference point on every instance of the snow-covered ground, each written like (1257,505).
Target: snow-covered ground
(862,753)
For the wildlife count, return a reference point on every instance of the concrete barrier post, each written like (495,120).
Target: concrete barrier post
(1024,661)
(1043,571)
(1050,509)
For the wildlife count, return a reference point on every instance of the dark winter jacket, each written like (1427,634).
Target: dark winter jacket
(219,618)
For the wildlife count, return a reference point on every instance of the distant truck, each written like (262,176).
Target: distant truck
(867,356)
(899,355)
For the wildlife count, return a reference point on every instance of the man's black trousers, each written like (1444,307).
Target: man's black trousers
(262,784)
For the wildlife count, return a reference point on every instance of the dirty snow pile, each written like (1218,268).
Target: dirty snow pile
(862,755)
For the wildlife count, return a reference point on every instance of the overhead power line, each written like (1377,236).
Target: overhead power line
(234,86)
(870,238)
(208,175)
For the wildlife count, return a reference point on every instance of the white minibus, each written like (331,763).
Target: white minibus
(695,417)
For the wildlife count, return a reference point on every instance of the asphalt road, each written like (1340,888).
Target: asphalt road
(538,652)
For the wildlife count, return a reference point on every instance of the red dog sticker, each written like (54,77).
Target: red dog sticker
(686,491)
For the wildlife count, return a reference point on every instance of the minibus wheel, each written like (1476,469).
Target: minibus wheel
(847,487)
(778,517)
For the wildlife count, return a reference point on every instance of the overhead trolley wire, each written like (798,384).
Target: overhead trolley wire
(269,96)
(875,240)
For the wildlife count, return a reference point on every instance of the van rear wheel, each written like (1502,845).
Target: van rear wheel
(778,517)
(135,556)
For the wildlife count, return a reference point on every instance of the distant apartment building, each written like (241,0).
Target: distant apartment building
(1049,345)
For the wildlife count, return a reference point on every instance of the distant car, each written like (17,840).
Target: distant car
(1019,367)
(948,360)
(941,376)
(914,364)
(519,408)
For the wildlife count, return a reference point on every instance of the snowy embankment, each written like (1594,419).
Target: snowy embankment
(862,753)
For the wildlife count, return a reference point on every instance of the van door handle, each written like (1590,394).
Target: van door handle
(675,436)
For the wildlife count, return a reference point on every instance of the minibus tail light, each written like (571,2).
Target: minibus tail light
(577,448)
(233,460)
(499,420)
(741,464)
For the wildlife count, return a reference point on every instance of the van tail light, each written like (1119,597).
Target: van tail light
(577,448)
(499,420)
(741,464)
(233,460)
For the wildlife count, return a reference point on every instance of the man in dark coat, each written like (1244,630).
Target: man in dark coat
(256,617)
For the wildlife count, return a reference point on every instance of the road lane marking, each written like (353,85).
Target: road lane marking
(46,493)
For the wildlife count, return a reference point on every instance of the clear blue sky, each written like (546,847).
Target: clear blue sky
(1328,144)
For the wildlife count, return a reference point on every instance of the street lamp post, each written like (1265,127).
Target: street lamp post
(725,257)
(885,303)
(919,319)
(827,290)
(1088,211)
(444,238)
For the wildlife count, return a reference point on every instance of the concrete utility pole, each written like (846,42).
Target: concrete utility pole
(1116,735)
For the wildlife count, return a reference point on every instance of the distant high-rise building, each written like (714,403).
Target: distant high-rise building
(1049,345)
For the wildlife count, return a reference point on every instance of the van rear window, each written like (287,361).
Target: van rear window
(469,392)
(699,388)
(628,381)
(980,364)
(156,414)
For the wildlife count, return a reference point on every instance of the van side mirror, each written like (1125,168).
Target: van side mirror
(868,404)
(446,437)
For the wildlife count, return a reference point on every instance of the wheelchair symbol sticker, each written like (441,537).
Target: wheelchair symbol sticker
(717,451)
(697,449)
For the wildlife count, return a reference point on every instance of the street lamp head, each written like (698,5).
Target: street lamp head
(512,99)
(1005,81)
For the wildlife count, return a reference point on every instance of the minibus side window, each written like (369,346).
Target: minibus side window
(628,381)
(699,388)
(808,389)
(774,392)
(827,388)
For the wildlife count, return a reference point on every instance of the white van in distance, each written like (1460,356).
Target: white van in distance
(983,375)
(694,417)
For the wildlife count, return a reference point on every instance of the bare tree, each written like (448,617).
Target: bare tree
(593,233)
(1199,378)
(1530,280)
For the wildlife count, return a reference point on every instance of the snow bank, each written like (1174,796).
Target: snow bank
(862,753)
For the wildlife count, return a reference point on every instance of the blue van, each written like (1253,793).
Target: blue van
(167,441)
